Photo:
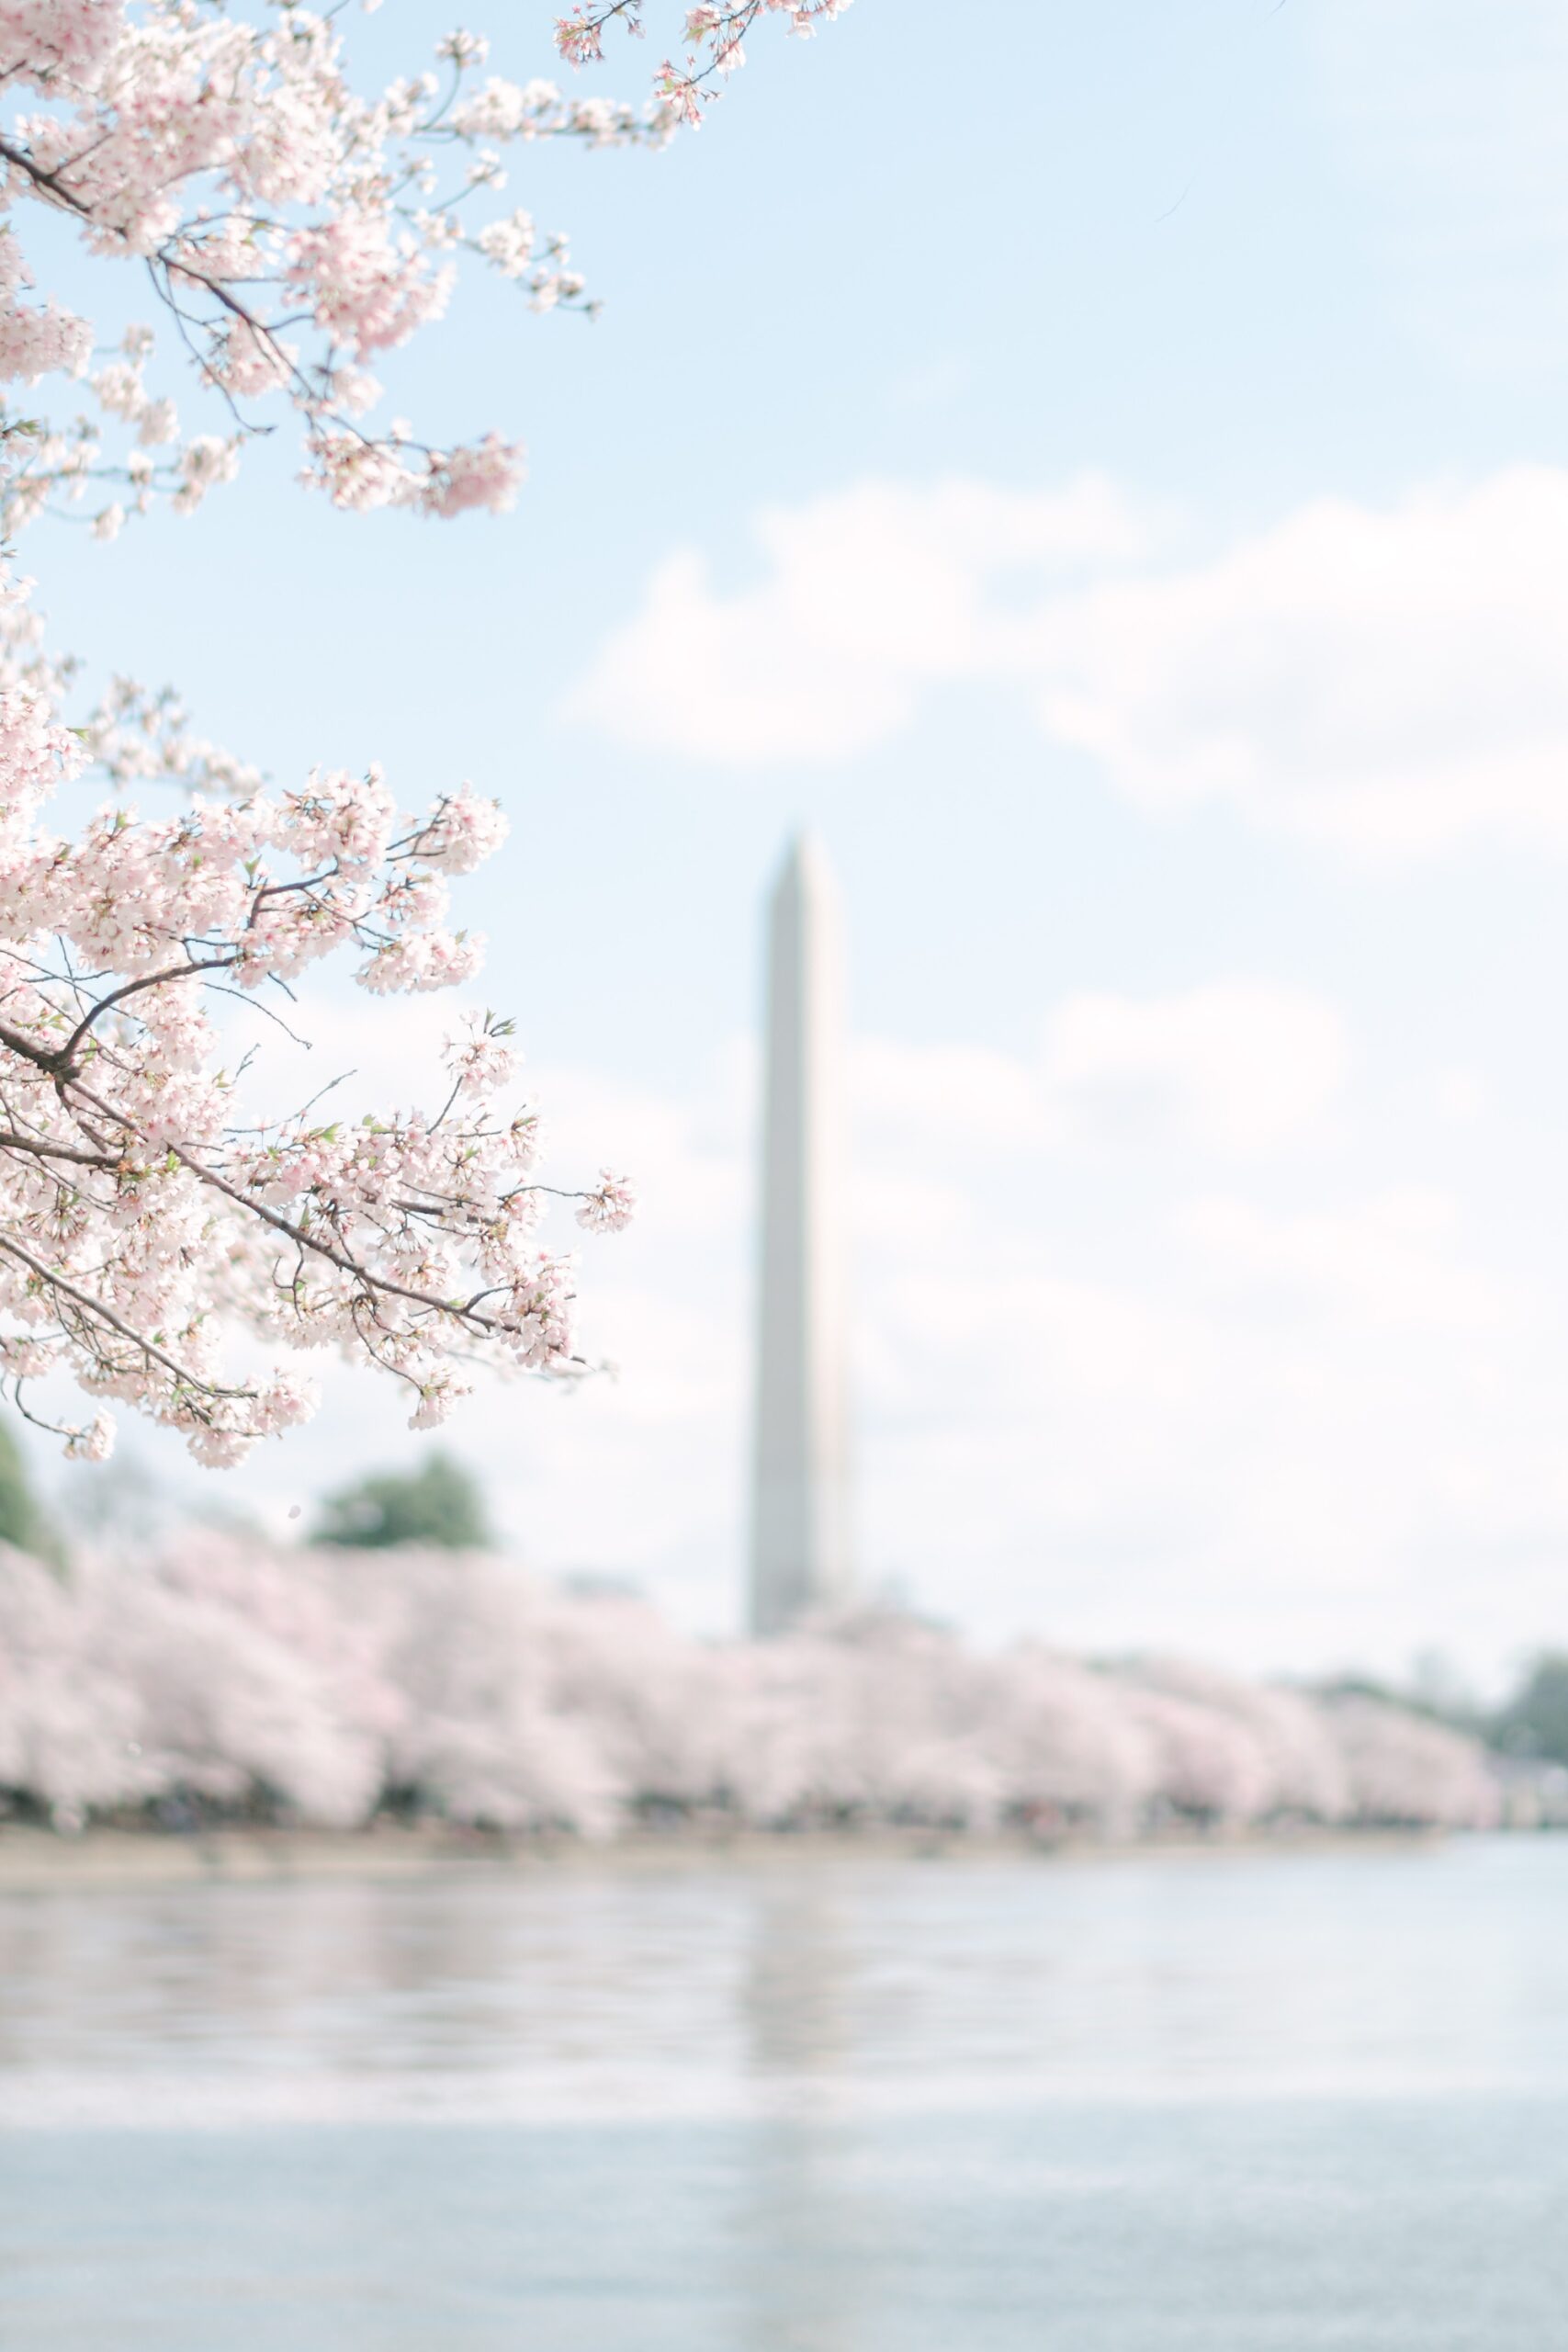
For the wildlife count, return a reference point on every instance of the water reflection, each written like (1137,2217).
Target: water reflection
(795,1988)
(836,2105)
(794,2207)
(797,1965)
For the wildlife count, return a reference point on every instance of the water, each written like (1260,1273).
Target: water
(1260,2102)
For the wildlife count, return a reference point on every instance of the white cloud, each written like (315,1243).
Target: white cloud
(1460,1096)
(869,597)
(1282,1411)
(1387,1260)
(1235,1065)
(1243,1445)
(1101,1401)
(927,1092)
(1231,1066)
(1391,680)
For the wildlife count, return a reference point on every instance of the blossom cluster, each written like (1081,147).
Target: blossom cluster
(294,230)
(292,227)
(324,1685)
(714,34)
(140,1213)
(130,735)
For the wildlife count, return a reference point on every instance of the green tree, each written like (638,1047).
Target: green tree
(1534,1722)
(438,1504)
(22,1519)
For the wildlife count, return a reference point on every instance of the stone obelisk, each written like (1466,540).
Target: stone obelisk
(800,1534)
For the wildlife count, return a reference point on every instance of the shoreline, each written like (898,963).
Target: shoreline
(39,1860)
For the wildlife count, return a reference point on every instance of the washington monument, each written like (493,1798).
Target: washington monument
(800,1537)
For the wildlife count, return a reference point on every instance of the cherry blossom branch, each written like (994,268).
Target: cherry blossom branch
(719,31)
(379,1220)
(47,1147)
(580,36)
(244,165)
(292,228)
(96,1310)
(188,971)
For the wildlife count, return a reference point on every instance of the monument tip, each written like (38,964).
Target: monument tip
(805,860)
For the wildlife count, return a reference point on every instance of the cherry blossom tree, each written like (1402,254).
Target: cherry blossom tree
(325,1685)
(289,229)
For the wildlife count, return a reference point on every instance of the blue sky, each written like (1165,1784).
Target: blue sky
(1107,473)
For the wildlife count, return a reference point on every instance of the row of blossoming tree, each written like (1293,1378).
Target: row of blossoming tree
(222,1676)
(287,229)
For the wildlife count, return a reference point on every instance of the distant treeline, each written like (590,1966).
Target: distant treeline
(219,1677)
(1530,1725)
(400,1667)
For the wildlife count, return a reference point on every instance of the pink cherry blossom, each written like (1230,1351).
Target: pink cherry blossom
(145,1223)
(327,1679)
(293,225)
(609,1206)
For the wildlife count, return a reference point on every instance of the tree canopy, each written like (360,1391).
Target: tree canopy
(23,1522)
(1535,1720)
(440,1504)
(231,1674)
